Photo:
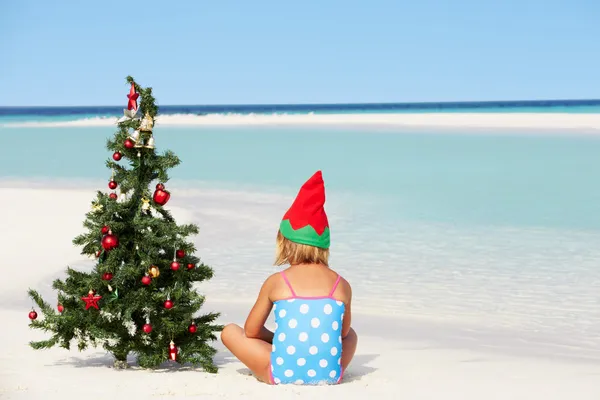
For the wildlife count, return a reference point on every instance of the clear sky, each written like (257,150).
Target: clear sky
(75,52)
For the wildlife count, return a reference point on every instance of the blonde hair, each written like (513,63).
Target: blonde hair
(288,252)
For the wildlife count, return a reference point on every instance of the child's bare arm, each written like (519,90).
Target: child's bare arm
(255,323)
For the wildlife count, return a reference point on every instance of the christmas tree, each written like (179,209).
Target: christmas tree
(139,297)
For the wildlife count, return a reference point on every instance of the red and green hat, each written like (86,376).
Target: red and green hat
(306,222)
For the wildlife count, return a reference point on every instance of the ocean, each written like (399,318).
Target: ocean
(497,230)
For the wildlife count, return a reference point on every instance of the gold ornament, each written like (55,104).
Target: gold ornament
(135,136)
(96,206)
(154,271)
(147,123)
(145,204)
(150,143)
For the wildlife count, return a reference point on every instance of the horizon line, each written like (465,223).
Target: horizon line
(590,101)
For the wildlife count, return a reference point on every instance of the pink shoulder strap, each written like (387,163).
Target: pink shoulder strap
(288,283)
(335,285)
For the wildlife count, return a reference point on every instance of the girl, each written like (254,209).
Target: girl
(313,342)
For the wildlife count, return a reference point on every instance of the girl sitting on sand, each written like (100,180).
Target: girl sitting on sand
(313,342)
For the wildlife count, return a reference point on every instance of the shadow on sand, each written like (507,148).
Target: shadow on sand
(357,370)
(107,361)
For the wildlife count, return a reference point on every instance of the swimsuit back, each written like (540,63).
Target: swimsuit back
(307,345)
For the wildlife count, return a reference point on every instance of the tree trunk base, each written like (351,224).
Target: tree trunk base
(120,364)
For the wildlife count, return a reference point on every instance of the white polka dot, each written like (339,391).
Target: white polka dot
(299,382)
(303,337)
(327,309)
(281,337)
(313,350)
(276,325)
(311,373)
(339,303)
(325,338)
(274,348)
(334,351)
(335,325)
(333,374)
(291,350)
(293,323)
(340,361)
(272,368)
(282,313)
(340,338)
(279,361)
(277,380)
(323,363)
(304,308)
(291,300)
(342,317)
(301,362)
(274,307)
(315,322)
(288,373)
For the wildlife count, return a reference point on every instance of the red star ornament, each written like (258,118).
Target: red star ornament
(91,300)
(132,96)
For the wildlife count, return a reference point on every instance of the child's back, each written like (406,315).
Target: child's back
(309,307)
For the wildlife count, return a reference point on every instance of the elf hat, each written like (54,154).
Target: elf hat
(306,222)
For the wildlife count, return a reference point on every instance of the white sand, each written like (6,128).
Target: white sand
(396,359)
(463,120)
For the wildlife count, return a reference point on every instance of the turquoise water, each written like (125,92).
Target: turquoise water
(499,179)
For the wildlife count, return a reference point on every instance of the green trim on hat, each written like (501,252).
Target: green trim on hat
(306,235)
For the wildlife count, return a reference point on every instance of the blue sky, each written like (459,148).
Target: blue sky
(312,51)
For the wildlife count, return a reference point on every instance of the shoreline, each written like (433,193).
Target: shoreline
(212,209)
(545,121)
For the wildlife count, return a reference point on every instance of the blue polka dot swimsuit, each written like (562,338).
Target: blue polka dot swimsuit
(307,344)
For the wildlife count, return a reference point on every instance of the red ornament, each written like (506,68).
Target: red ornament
(107,276)
(147,328)
(168,304)
(172,351)
(117,156)
(60,308)
(98,253)
(105,230)
(190,266)
(175,265)
(146,280)
(161,196)
(132,96)
(112,185)
(160,186)
(180,253)
(110,241)
(113,196)
(91,300)
(32,315)
(192,328)
(129,144)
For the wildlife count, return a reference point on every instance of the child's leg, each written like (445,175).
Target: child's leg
(348,348)
(254,353)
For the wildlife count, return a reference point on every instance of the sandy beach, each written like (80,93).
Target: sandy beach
(396,358)
(546,121)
